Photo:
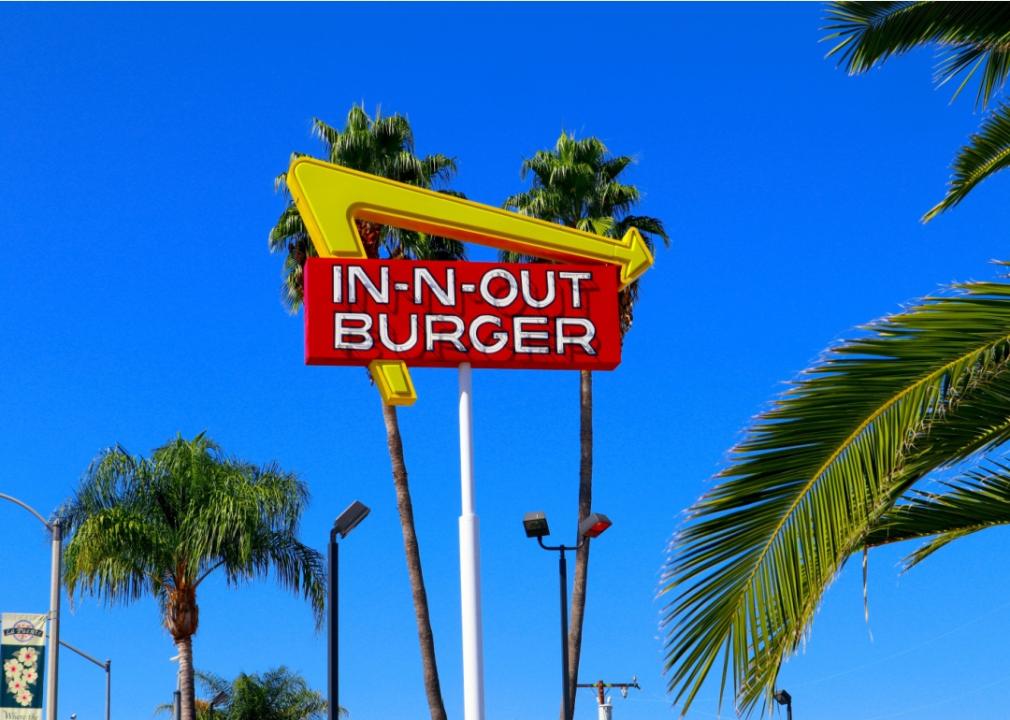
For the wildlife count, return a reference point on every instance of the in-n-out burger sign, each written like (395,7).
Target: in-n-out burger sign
(446,313)
(393,313)
(390,314)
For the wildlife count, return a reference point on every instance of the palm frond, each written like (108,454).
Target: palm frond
(140,526)
(650,228)
(978,500)
(970,34)
(118,554)
(819,469)
(383,146)
(577,185)
(987,153)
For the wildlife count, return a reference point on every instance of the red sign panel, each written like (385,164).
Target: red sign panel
(441,314)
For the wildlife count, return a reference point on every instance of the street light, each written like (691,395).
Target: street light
(784,698)
(345,522)
(216,700)
(55,529)
(106,666)
(535,525)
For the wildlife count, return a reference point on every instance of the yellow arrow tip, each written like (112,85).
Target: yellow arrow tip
(639,258)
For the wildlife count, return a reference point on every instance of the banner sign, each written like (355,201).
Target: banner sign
(22,647)
(441,314)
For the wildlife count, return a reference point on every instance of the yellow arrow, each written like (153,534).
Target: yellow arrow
(330,198)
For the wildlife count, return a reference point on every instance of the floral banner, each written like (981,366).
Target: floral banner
(22,650)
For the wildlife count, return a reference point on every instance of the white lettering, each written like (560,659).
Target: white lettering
(446,295)
(340,330)
(575,277)
(547,299)
(583,339)
(505,275)
(387,341)
(452,337)
(521,336)
(500,337)
(338,284)
(356,274)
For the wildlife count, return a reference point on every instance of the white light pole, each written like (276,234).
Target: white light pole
(469,559)
(52,655)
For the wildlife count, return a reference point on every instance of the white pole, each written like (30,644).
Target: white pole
(52,657)
(469,560)
(604,712)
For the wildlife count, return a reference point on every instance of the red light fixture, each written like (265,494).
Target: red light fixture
(594,525)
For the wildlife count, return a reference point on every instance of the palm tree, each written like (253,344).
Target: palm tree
(577,185)
(160,526)
(384,147)
(972,36)
(830,471)
(277,694)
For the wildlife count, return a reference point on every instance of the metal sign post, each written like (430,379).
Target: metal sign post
(469,559)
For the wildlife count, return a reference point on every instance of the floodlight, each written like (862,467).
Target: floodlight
(535,524)
(349,518)
(594,525)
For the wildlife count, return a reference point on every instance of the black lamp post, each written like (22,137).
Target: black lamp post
(784,698)
(347,521)
(217,700)
(535,525)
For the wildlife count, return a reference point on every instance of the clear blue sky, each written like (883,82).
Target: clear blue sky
(139,145)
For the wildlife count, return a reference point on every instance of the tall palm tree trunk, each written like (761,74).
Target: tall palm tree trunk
(187,694)
(406,510)
(585,505)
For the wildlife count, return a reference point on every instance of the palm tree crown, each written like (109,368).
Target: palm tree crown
(277,694)
(384,147)
(577,184)
(160,526)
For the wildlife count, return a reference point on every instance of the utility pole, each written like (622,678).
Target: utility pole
(605,708)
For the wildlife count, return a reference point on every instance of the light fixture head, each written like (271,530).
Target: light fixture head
(594,525)
(782,697)
(535,525)
(349,518)
(218,699)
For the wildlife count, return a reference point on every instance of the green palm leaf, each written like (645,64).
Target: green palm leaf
(817,471)
(154,525)
(382,146)
(576,184)
(977,501)
(986,153)
(971,35)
